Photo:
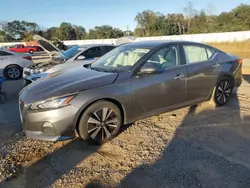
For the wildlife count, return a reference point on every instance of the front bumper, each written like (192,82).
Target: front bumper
(49,125)
(40,136)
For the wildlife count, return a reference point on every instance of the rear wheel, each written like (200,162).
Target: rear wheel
(100,122)
(223,91)
(31,51)
(13,72)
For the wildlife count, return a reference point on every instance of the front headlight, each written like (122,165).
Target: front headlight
(52,103)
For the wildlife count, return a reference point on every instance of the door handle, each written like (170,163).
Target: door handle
(179,76)
(216,65)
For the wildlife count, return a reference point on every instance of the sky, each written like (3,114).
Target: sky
(91,13)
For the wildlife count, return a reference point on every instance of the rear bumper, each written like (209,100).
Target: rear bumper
(238,82)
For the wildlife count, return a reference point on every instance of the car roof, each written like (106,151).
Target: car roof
(153,43)
(8,51)
(94,45)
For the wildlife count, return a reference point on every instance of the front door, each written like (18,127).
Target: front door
(91,55)
(155,92)
(202,71)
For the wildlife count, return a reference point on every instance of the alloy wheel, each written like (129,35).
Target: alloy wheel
(102,123)
(223,92)
(13,72)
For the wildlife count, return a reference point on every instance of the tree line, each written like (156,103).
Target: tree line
(149,23)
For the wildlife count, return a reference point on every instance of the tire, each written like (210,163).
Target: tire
(223,91)
(31,51)
(13,72)
(94,129)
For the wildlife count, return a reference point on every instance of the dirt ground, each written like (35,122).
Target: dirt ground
(200,146)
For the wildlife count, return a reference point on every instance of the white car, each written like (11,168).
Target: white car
(12,64)
(76,55)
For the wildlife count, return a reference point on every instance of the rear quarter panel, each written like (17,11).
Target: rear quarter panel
(229,66)
(19,60)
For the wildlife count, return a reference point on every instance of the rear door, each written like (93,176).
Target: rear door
(161,90)
(202,70)
(4,60)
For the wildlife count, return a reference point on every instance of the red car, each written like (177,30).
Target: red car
(20,48)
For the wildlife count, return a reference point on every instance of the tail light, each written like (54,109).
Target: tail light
(239,61)
(27,57)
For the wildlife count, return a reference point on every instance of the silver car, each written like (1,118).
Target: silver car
(12,64)
(131,82)
(78,54)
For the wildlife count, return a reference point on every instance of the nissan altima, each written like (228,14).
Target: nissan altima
(131,82)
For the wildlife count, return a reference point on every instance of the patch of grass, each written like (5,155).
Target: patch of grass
(241,49)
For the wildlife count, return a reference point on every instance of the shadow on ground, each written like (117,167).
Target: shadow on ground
(10,123)
(46,171)
(246,77)
(211,152)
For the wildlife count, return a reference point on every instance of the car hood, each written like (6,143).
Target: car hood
(65,82)
(46,45)
(67,65)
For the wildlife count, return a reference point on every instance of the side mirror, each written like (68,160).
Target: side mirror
(148,69)
(81,57)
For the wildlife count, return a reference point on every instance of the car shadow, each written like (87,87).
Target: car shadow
(47,170)
(246,77)
(209,151)
(51,167)
(10,123)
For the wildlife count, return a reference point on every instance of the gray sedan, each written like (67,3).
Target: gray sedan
(131,82)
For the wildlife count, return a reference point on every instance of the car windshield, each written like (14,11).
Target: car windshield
(121,58)
(71,52)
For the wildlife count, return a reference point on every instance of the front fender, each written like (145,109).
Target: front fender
(119,93)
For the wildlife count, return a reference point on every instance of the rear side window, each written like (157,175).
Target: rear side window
(93,52)
(2,53)
(195,53)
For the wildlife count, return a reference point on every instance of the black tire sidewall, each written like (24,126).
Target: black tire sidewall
(83,128)
(216,89)
(13,66)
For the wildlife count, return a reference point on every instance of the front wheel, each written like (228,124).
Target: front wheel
(31,51)
(223,91)
(100,122)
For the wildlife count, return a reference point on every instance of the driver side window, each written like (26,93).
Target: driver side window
(164,58)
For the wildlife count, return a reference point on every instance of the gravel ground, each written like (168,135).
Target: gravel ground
(202,146)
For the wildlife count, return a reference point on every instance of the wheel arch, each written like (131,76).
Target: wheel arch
(227,75)
(221,76)
(82,110)
(12,65)
(4,70)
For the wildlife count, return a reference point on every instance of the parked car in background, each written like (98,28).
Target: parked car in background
(12,64)
(131,82)
(20,48)
(76,55)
